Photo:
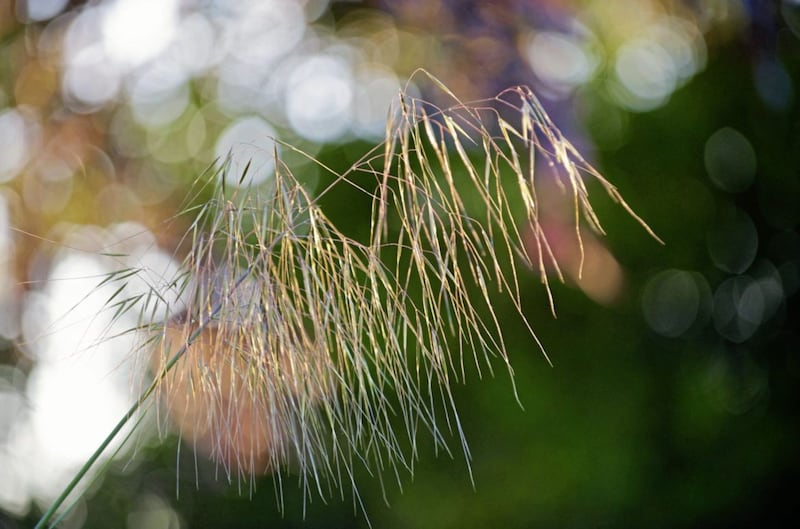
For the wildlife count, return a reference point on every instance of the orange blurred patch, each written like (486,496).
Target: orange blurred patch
(595,271)
(232,399)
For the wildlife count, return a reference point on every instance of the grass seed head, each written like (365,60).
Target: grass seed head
(303,347)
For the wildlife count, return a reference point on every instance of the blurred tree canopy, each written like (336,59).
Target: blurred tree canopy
(672,398)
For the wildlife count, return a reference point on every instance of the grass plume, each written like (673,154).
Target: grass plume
(299,346)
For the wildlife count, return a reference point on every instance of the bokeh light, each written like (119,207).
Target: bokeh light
(35,10)
(675,301)
(730,160)
(18,139)
(561,61)
(376,89)
(733,243)
(135,31)
(248,144)
(649,68)
(774,84)
(158,95)
(153,512)
(739,308)
(319,98)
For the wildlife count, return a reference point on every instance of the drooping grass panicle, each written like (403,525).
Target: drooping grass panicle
(330,340)
(298,346)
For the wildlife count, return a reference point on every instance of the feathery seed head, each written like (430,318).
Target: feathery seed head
(305,348)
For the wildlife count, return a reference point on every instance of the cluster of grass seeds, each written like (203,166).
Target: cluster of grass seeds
(302,348)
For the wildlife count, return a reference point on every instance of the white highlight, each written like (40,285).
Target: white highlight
(135,31)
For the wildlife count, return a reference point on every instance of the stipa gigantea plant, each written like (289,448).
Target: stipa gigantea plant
(301,347)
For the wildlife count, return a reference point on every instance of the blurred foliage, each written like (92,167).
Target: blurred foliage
(671,405)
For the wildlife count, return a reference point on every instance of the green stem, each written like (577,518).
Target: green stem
(64,513)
